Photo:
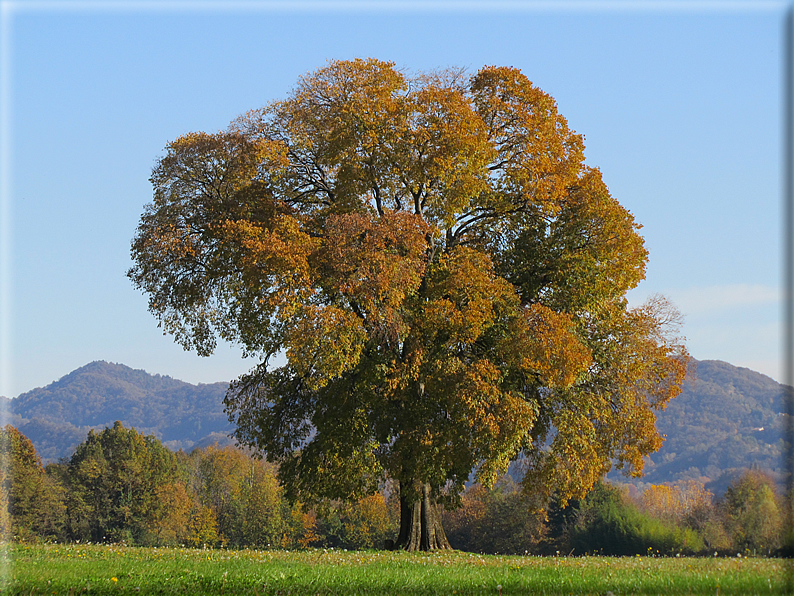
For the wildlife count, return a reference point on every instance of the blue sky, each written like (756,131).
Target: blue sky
(679,102)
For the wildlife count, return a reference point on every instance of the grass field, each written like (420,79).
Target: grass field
(94,569)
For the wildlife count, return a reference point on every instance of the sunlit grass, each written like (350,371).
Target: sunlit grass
(95,569)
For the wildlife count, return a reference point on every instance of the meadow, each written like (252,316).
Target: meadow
(110,569)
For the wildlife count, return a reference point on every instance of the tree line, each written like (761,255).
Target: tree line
(121,486)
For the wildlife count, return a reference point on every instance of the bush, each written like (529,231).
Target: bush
(606,523)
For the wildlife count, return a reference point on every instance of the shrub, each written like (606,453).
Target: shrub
(606,523)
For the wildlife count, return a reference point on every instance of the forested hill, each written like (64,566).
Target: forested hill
(58,417)
(726,419)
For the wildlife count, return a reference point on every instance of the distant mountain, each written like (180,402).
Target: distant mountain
(725,420)
(57,418)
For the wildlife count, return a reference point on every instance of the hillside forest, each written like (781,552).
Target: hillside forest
(121,486)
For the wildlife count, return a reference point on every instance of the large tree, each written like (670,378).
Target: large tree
(444,274)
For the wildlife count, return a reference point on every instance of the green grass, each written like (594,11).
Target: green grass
(93,569)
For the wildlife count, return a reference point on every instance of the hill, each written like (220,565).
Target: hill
(726,419)
(58,417)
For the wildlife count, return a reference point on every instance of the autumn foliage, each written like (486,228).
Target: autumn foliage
(443,272)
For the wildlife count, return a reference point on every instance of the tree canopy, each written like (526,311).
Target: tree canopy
(443,272)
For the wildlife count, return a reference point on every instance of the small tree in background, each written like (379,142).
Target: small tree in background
(753,515)
(202,527)
(240,493)
(169,522)
(681,504)
(688,505)
(366,523)
(31,502)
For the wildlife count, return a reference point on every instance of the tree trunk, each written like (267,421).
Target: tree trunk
(420,522)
